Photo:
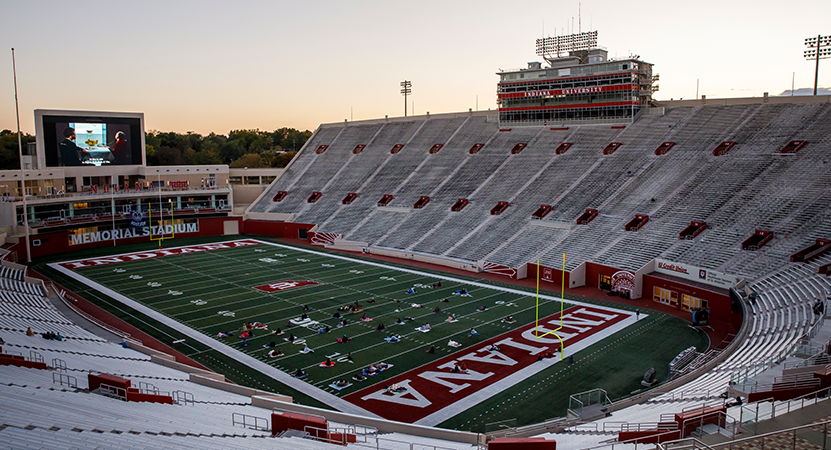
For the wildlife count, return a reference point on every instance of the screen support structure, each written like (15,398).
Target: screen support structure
(562,301)
(22,172)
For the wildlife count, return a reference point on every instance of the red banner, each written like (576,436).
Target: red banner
(569,91)
(178,184)
(283,285)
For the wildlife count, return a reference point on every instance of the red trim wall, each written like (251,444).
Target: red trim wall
(556,277)
(593,272)
(58,242)
(720,304)
(287,230)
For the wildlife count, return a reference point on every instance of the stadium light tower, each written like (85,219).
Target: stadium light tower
(405,89)
(818,47)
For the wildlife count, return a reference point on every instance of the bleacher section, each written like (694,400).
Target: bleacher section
(52,406)
(752,186)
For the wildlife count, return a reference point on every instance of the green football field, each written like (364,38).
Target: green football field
(214,292)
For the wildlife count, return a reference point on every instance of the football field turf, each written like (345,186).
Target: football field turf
(216,290)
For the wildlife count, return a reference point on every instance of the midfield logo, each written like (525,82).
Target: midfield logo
(283,285)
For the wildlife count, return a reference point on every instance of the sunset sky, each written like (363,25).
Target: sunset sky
(219,65)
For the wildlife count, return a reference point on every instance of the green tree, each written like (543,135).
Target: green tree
(282,159)
(249,160)
(169,156)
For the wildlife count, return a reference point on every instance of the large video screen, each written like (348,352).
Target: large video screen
(91,141)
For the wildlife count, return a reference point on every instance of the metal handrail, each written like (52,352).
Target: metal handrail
(245,419)
(70,380)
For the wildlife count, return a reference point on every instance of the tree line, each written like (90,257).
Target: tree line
(240,148)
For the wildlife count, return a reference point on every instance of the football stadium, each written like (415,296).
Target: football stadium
(585,267)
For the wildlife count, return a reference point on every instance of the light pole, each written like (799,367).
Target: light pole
(406,90)
(22,172)
(818,48)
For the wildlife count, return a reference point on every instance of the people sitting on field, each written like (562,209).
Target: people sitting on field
(454,344)
(451,318)
(342,323)
(444,300)
(395,300)
(306,350)
(344,339)
(432,349)
(343,308)
(359,377)
(459,368)
(411,291)
(372,300)
(493,348)
(271,344)
(304,316)
(437,310)
(327,363)
(278,331)
(393,338)
(291,338)
(245,335)
(299,373)
(509,319)
(305,307)
(416,305)
(375,369)
(336,315)
(395,388)
(342,383)
(221,335)
(398,321)
(275,353)
(364,318)
(409,319)
(482,308)
(380,327)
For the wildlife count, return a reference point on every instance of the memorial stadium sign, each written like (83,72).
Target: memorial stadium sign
(88,235)
(696,274)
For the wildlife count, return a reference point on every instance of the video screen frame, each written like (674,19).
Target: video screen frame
(117,146)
